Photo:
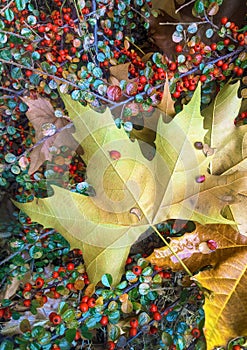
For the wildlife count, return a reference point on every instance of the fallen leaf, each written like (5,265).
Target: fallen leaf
(164,188)
(120,71)
(40,112)
(229,141)
(238,213)
(226,280)
(167,104)
(230,146)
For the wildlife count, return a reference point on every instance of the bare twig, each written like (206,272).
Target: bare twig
(184,5)
(26,246)
(19,36)
(95,30)
(39,72)
(6,7)
(183,23)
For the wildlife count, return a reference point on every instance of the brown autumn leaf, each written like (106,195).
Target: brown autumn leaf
(40,113)
(120,71)
(166,104)
(226,280)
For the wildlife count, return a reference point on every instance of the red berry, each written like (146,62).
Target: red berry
(166,275)
(153,330)
(77,335)
(172,347)
(28,73)
(29,48)
(172,66)
(224,20)
(110,345)
(219,63)
(240,72)
(27,302)
(129,260)
(137,270)
(176,94)
(61,269)
(236,347)
(157,316)
(153,308)
(213,46)
(226,41)
(142,79)
(225,66)
(56,295)
(132,332)
(56,320)
(85,299)
(83,307)
(55,274)
(104,320)
(70,286)
(70,266)
(196,332)
(179,48)
(52,314)
(55,347)
(203,78)
(134,323)
(91,302)
(28,286)
(39,282)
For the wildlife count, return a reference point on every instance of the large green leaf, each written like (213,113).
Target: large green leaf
(230,146)
(133,193)
(228,141)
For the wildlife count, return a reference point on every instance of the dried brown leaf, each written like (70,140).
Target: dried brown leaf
(226,309)
(167,104)
(120,72)
(40,111)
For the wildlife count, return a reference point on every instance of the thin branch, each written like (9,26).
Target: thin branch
(194,70)
(6,7)
(19,36)
(184,5)
(183,23)
(26,246)
(39,72)
(95,30)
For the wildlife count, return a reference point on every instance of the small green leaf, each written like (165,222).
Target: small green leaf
(166,338)
(20,4)
(70,334)
(143,319)
(114,316)
(6,345)
(38,332)
(144,288)
(106,280)
(68,315)
(9,15)
(114,332)
(62,307)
